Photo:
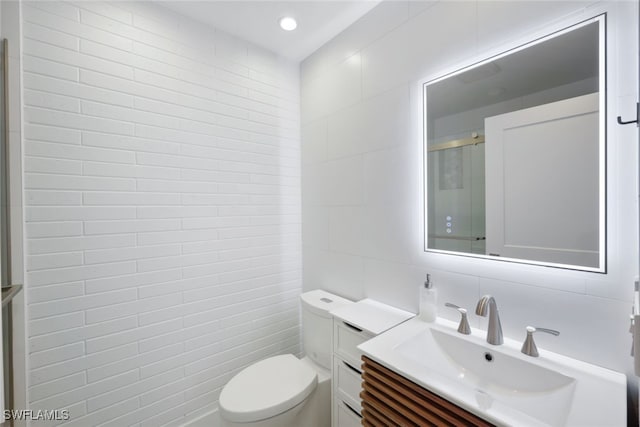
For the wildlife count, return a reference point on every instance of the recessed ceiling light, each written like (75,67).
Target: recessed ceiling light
(288,23)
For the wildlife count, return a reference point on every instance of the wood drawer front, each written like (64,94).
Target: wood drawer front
(348,382)
(347,416)
(346,340)
(390,399)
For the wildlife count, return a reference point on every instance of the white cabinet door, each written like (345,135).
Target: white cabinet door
(542,183)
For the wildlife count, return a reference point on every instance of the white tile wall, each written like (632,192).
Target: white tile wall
(162,184)
(362,173)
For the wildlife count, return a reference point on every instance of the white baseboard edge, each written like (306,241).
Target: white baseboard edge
(210,419)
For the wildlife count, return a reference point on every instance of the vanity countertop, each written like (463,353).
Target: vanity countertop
(452,365)
(371,316)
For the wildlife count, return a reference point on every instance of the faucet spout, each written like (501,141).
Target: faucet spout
(487,305)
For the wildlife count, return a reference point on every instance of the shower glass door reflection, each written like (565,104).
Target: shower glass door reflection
(456,201)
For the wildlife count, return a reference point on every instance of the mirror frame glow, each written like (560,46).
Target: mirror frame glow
(602,132)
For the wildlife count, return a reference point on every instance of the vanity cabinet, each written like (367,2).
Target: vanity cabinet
(354,324)
(390,399)
(346,373)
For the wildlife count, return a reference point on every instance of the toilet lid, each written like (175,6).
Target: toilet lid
(267,388)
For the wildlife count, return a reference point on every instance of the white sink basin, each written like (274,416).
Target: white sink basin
(496,370)
(499,383)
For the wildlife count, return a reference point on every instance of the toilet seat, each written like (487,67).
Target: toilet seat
(266,389)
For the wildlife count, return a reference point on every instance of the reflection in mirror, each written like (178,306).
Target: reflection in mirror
(515,154)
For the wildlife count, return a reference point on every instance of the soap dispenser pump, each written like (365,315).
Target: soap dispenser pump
(428,301)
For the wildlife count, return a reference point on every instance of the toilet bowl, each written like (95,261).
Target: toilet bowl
(284,391)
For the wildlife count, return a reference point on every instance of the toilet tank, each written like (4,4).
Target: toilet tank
(317,324)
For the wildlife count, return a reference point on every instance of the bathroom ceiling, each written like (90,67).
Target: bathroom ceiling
(257,21)
(571,58)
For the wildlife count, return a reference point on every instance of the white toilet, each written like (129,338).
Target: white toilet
(284,391)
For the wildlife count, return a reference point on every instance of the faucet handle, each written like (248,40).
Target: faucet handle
(529,346)
(463,327)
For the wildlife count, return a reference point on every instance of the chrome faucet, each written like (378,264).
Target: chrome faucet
(494,333)
(463,327)
(529,346)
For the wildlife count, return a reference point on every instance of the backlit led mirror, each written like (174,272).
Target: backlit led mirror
(515,154)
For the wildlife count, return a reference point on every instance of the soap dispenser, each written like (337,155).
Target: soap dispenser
(428,301)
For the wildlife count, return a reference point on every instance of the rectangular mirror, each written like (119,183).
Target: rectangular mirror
(515,154)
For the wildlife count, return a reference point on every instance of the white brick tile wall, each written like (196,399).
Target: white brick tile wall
(54,69)
(64,10)
(46,374)
(58,354)
(52,165)
(57,323)
(53,134)
(50,293)
(41,262)
(65,244)
(61,385)
(162,184)
(51,83)
(104,415)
